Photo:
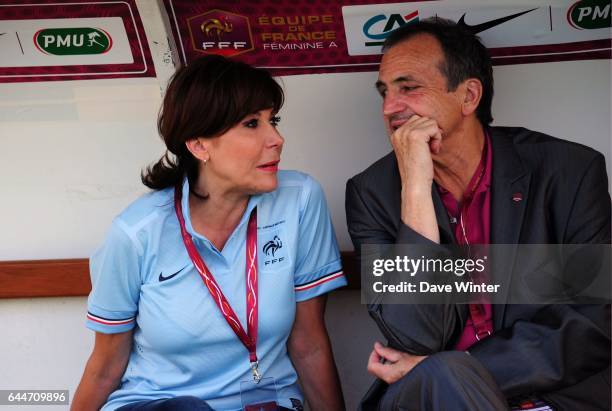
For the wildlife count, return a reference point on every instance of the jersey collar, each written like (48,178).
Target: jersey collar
(253,201)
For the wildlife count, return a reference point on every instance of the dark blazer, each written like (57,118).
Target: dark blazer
(561,352)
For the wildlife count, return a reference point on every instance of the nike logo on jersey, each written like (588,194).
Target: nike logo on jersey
(478,28)
(162,278)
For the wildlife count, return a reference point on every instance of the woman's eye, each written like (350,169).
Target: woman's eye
(252,123)
(275,120)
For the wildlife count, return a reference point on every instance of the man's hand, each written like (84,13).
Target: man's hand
(413,143)
(397,363)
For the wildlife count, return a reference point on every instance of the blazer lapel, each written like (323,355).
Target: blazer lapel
(509,197)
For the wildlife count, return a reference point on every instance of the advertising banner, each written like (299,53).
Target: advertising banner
(296,37)
(72,40)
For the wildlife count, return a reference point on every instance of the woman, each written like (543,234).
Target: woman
(211,289)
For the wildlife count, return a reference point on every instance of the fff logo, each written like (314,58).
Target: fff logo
(220,32)
(270,249)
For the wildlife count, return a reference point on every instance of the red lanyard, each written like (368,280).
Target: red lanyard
(249,340)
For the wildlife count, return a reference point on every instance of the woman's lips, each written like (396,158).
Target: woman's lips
(271,166)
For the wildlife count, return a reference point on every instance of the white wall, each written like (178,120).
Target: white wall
(44,345)
(71,153)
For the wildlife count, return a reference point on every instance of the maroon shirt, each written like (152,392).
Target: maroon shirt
(472,223)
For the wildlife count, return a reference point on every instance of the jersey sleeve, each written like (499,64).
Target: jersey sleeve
(318,265)
(115,278)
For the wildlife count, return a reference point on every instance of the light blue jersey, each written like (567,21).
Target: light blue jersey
(143,278)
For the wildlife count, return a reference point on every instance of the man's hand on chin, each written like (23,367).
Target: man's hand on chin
(396,363)
(414,142)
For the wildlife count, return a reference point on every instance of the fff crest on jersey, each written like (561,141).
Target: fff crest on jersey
(273,251)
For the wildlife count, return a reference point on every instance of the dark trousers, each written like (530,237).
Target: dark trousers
(446,381)
(185,403)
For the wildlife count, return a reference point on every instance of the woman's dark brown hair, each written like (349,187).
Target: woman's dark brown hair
(206,99)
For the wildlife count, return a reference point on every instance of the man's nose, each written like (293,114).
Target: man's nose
(392,105)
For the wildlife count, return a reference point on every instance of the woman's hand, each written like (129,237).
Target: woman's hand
(103,371)
(311,354)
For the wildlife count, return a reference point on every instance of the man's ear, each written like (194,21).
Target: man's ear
(198,147)
(471,97)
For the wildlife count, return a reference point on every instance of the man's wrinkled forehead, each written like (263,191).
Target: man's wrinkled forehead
(411,59)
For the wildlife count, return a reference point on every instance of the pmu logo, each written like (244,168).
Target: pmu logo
(270,249)
(590,14)
(73,41)
(220,32)
(371,28)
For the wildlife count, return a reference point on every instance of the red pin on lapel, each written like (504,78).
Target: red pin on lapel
(516,197)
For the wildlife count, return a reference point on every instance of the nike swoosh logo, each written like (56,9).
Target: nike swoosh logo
(478,28)
(162,278)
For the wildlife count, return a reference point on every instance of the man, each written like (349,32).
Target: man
(453,179)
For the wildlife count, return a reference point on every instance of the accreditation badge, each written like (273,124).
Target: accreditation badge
(259,395)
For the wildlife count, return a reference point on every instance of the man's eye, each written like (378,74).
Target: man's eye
(382,93)
(407,89)
(251,123)
(275,120)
